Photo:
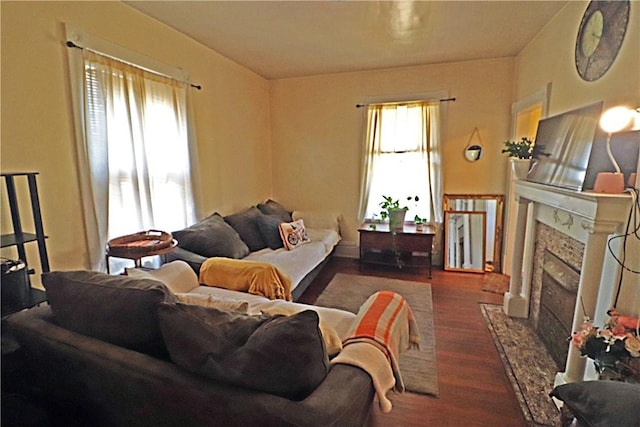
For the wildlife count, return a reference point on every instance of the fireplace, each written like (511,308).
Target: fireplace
(561,266)
(559,288)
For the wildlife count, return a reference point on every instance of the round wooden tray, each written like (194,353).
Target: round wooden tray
(139,244)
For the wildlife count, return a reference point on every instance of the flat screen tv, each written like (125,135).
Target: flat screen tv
(563,146)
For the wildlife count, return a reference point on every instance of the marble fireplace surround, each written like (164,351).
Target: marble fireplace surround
(588,217)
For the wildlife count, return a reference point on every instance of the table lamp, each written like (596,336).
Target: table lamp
(614,120)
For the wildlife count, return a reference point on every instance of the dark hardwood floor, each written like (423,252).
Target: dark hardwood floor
(474,389)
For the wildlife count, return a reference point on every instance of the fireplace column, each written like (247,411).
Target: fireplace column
(588,292)
(516,300)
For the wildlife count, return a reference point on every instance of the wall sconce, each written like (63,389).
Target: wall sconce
(616,119)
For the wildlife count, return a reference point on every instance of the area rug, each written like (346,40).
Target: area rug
(495,283)
(530,368)
(417,366)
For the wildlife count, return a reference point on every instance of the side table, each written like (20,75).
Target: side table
(408,246)
(138,255)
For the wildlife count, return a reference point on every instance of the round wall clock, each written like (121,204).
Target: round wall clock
(600,37)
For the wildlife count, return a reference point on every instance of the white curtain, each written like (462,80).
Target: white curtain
(402,159)
(133,151)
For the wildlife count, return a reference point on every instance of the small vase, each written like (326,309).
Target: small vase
(396,219)
(520,167)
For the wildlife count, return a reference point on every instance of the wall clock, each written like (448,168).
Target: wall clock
(600,37)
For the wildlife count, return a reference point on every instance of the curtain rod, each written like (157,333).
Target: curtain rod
(452,99)
(69,43)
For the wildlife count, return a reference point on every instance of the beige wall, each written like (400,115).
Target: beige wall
(231,112)
(550,58)
(310,124)
(317,131)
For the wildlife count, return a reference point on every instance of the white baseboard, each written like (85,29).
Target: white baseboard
(347,250)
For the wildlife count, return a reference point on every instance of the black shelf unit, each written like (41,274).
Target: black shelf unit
(19,238)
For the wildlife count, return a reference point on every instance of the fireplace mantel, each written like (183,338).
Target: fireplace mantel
(585,216)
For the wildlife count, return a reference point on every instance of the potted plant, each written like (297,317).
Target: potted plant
(522,149)
(392,210)
(420,222)
(519,153)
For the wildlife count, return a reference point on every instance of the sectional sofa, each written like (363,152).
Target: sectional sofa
(259,233)
(129,351)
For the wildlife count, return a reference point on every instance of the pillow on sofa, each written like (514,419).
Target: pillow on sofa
(116,309)
(212,237)
(206,300)
(270,230)
(602,403)
(246,224)
(293,234)
(271,207)
(281,355)
(177,275)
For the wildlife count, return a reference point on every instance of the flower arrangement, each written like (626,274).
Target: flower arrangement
(615,349)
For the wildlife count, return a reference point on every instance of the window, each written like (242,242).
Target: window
(402,159)
(134,152)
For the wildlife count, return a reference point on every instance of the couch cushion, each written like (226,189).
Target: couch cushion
(116,309)
(601,403)
(205,300)
(246,224)
(293,234)
(212,237)
(281,355)
(177,275)
(268,226)
(271,207)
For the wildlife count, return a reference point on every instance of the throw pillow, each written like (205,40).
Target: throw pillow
(246,224)
(212,237)
(177,275)
(281,355)
(117,309)
(293,234)
(602,403)
(212,301)
(271,207)
(332,341)
(269,228)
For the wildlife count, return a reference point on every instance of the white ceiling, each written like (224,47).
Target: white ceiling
(281,39)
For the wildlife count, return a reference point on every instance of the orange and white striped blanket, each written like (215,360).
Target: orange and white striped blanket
(383,329)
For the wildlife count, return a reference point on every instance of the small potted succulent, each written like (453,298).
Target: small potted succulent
(419,222)
(520,154)
(522,149)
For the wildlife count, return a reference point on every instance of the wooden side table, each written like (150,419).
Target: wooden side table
(410,247)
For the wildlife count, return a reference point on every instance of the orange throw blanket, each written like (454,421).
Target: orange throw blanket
(384,327)
(257,278)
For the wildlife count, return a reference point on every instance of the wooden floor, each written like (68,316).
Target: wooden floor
(474,389)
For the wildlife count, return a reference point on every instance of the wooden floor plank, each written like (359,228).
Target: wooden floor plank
(474,389)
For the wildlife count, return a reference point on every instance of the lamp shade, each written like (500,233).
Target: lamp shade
(616,119)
